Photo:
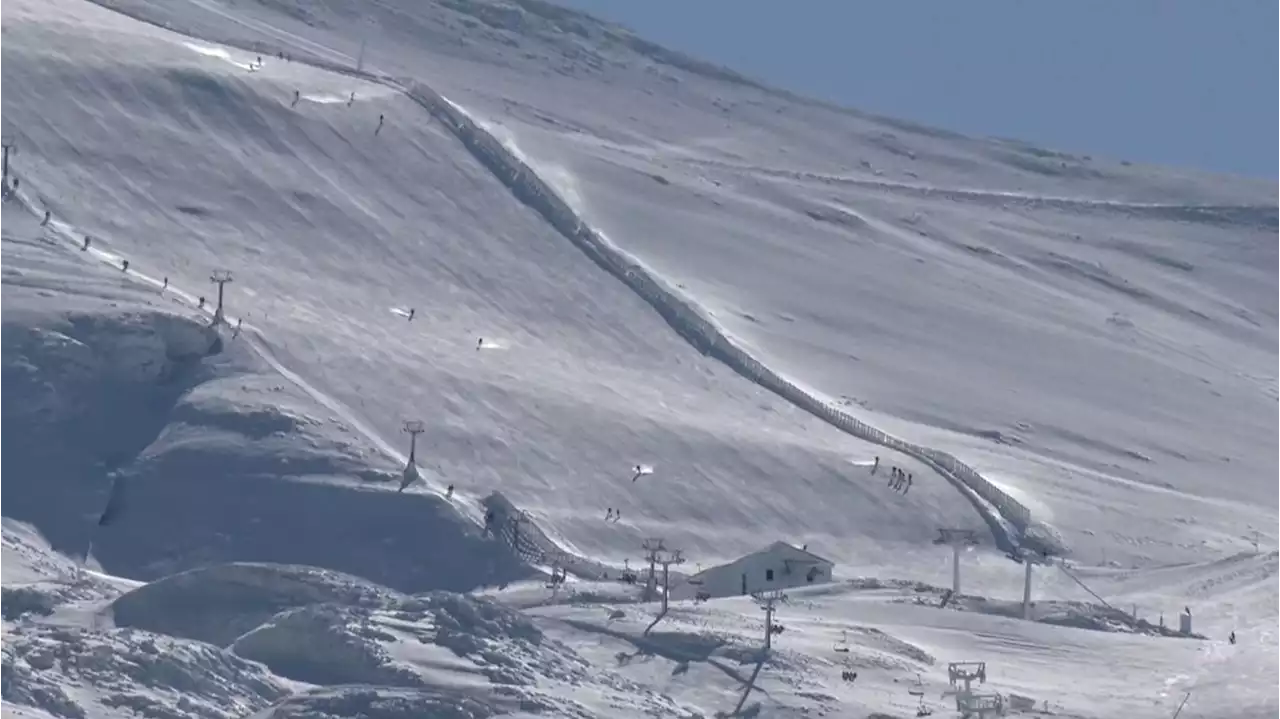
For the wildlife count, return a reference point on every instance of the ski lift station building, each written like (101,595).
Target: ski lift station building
(777,566)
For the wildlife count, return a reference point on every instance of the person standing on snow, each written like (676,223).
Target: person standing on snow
(296,96)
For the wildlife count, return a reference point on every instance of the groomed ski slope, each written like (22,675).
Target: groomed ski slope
(327,227)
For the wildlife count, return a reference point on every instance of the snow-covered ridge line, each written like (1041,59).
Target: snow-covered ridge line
(1242,214)
(1011,524)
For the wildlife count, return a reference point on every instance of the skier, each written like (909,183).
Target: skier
(608,515)
(637,472)
(47,216)
(239,321)
(448,492)
(165,286)
(124,265)
(479,344)
(296,96)
(411,311)
(379,127)
(87,241)
(201,304)
(893,475)
(1232,638)
(876,466)
(351,99)
(908,487)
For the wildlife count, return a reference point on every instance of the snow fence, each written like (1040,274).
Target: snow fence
(1010,521)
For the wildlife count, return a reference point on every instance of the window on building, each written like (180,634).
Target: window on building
(768,575)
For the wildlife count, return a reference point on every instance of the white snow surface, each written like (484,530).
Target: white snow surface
(1097,339)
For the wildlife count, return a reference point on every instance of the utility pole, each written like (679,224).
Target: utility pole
(653,547)
(7,144)
(958,539)
(414,427)
(559,571)
(768,601)
(666,561)
(1026,587)
(1029,560)
(219,278)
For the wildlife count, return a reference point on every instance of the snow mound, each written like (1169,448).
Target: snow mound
(390,703)
(217,604)
(323,644)
(73,674)
(438,647)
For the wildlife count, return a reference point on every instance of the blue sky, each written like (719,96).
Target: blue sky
(1189,83)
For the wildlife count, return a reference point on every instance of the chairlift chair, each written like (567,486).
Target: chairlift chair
(917,688)
(842,646)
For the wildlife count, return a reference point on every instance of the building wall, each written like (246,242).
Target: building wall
(728,580)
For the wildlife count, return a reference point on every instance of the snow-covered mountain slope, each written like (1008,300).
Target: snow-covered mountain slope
(1096,339)
(1107,329)
(328,226)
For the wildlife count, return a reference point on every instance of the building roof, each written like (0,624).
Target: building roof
(778,547)
(797,550)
